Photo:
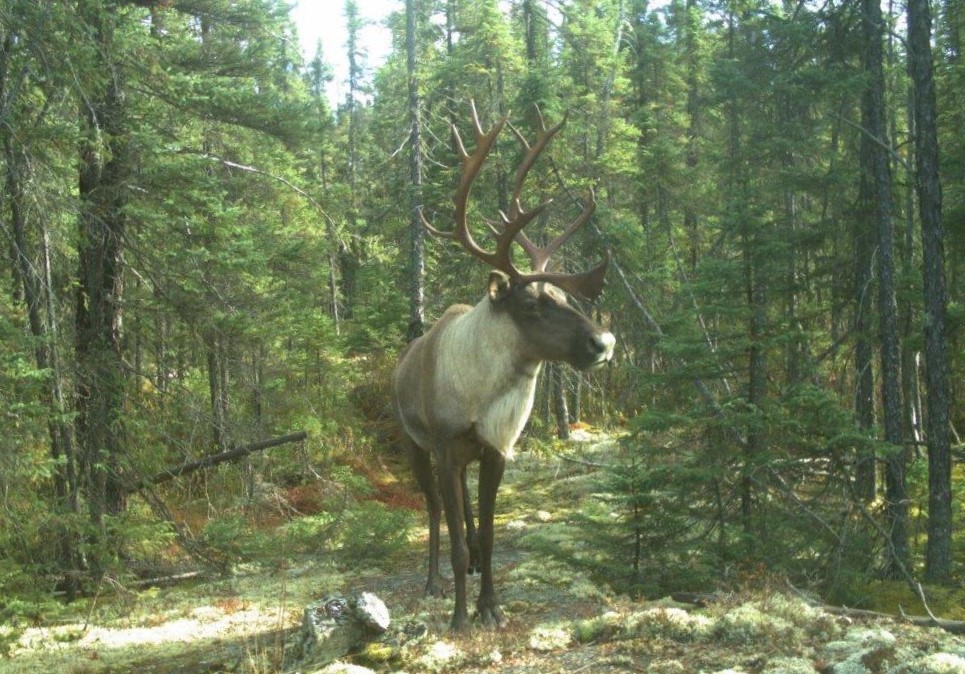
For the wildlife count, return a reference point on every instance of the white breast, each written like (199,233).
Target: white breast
(480,381)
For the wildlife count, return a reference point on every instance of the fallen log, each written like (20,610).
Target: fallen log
(951,626)
(232,454)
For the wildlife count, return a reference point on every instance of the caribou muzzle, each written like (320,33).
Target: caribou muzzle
(600,348)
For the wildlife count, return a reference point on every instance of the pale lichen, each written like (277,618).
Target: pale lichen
(546,638)
(936,663)
(667,667)
(811,620)
(670,623)
(600,628)
(439,657)
(747,623)
(789,666)
(343,668)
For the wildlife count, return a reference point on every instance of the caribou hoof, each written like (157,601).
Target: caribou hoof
(436,586)
(460,623)
(490,615)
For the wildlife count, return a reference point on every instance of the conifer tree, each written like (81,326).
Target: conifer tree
(938,555)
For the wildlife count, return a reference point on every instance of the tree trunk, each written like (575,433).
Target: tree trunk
(938,555)
(607,93)
(694,131)
(576,402)
(864,394)
(417,263)
(348,262)
(876,177)
(218,390)
(756,379)
(954,15)
(104,169)
(755,298)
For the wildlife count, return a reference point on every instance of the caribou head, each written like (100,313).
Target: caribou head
(552,329)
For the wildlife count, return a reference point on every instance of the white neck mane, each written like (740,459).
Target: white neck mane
(481,379)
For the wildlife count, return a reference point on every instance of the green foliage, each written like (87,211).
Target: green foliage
(265,279)
(234,538)
(371,531)
(666,513)
(311,533)
(645,525)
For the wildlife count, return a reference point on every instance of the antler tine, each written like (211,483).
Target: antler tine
(432,230)
(540,255)
(587,285)
(471,165)
(513,230)
(532,153)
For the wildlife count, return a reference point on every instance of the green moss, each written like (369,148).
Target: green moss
(377,652)
(537,572)
(601,628)
(894,596)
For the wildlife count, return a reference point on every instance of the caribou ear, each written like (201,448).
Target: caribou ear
(499,285)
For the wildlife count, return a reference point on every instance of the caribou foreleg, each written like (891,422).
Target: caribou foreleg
(491,468)
(450,474)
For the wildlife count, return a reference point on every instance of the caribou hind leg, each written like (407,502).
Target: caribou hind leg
(422,469)
(472,536)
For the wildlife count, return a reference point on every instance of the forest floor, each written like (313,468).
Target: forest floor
(560,620)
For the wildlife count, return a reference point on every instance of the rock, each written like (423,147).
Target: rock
(394,644)
(372,612)
(335,626)
(405,635)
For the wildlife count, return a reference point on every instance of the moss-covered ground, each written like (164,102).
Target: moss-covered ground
(561,619)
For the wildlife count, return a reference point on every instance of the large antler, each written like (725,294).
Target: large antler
(587,284)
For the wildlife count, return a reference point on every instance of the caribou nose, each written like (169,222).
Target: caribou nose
(602,344)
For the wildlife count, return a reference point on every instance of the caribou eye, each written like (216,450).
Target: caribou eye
(530,306)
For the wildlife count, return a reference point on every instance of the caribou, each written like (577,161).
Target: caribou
(463,391)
